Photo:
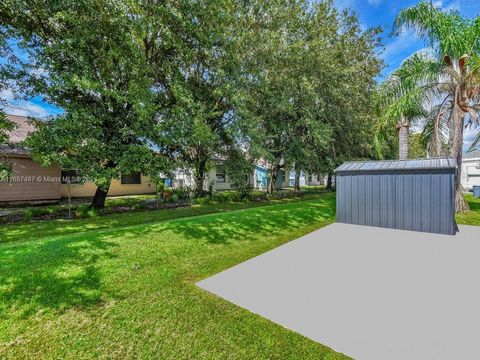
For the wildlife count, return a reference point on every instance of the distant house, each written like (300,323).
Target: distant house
(217,177)
(306,179)
(291,178)
(315,179)
(258,179)
(34,183)
(471,170)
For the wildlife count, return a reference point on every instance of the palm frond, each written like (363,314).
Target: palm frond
(476,140)
(446,29)
(436,128)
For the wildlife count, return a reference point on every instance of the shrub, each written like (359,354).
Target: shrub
(85,212)
(160,187)
(167,194)
(202,200)
(140,205)
(182,193)
(227,196)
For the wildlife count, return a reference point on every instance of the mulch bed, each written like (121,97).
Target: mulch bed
(64,213)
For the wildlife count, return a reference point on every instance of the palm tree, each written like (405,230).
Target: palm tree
(401,104)
(450,76)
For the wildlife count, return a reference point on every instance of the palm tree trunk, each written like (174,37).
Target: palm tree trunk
(403,128)
(456,151)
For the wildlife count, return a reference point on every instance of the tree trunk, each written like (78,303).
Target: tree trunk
(403,127)
(456,151)
(296,186)
(329,181)
(98,201)
(273,180)
(200,177)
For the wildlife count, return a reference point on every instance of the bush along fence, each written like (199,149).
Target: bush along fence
(167,199)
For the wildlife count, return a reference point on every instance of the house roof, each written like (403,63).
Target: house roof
(472,154)
(13,150)
(22,127)
(415,164)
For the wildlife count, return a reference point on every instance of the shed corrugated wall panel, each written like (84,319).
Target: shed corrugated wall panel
(419,200)
(417,203)
(376,200)
(400,199)
(391,199)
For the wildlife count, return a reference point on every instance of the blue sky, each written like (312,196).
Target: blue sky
(383,12)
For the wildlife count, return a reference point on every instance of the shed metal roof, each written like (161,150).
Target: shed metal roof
(383,165)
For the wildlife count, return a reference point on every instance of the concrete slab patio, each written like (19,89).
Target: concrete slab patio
(369,293)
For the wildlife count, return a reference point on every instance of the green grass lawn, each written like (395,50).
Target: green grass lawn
(125,288)
(32,230)
(471,217)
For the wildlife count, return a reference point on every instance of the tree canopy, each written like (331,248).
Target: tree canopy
(311,88)
(147,86)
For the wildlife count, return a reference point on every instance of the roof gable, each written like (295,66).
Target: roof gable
(22,127)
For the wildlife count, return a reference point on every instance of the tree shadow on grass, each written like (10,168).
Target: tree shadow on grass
(474,204)
(248,224)
(66,272)
(52,275)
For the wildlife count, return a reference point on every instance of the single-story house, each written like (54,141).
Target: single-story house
(218,179)
(34,183)
(306,179)
(258,179)
(315,179)
(471,170)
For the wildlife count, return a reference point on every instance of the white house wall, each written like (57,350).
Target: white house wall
(183,178)
(470,173)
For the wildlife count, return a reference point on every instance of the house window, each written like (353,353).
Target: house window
(70,177)
(310,178)
(220,174)
(131,179)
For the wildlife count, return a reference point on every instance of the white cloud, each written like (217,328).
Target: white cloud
(15,106)
(454,5)
(7,95)
(374,2)
(397,48)
(437,4)
(26,108)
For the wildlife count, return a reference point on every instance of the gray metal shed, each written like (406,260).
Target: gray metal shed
(416,195)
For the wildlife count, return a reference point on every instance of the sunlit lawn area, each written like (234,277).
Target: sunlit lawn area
(471,217)
(123,286)
(35,229)
(127,290)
